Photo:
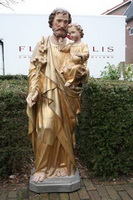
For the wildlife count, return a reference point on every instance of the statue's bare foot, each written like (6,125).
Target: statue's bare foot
(50,172)
(39,177)
(62,172)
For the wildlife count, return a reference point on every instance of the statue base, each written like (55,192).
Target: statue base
(56,184)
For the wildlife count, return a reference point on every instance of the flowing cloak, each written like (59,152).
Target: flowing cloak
(53,118)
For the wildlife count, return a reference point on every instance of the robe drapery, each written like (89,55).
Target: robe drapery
(53,118)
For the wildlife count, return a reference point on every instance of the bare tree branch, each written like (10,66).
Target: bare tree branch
(8,3)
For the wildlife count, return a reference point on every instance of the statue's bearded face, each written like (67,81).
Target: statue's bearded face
(60,25)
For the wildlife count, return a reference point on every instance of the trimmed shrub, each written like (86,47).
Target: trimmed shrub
(105,128)
(15,146)
(104,132)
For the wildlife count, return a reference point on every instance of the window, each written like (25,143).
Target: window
(131,31)
(2,69)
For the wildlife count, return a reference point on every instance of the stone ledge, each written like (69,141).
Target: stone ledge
(56,184)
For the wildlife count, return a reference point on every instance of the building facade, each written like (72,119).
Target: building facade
(125,8)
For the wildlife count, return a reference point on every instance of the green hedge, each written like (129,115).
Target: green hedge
(105,129)
(104,133)
(15,146)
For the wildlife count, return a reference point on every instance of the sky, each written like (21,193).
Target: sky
(75,7)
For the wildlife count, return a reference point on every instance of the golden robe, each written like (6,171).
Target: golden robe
(53,118)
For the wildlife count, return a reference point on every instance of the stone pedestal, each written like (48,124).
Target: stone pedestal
(56,184)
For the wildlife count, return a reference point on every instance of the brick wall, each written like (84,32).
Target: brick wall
(129,43)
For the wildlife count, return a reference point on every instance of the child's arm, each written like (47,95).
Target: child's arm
(85,53)
(63,47)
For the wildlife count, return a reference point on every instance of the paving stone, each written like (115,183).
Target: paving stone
(88,191)
(118,188)
(83,194)
(129,189)
(13,198)
(74,196)
(64,196)
(53,196)
(102,192)
(44,197)
(112,193)
(130,180)
(81,183)
(22,193)
(34,197)
(32,193)
(89,185)
(124,195)
(12,194)
(3,195)
(38,197)
(94,195)
(106,199)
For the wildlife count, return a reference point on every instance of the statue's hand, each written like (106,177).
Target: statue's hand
(61,40)
(78,54)
(32,98)
(76,59)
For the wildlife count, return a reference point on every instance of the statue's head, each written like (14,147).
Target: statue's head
(58,21)
(78,28)
(56,12)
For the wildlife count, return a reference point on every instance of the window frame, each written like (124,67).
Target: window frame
(131,31)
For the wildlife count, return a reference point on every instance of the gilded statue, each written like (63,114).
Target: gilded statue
(52,107)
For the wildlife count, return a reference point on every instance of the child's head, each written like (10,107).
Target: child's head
(75,31)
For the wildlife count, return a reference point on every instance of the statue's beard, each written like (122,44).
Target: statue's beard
(60,32)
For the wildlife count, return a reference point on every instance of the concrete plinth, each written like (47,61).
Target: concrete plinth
(56,184)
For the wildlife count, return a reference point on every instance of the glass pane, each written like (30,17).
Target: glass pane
(1,59)
(131,31)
